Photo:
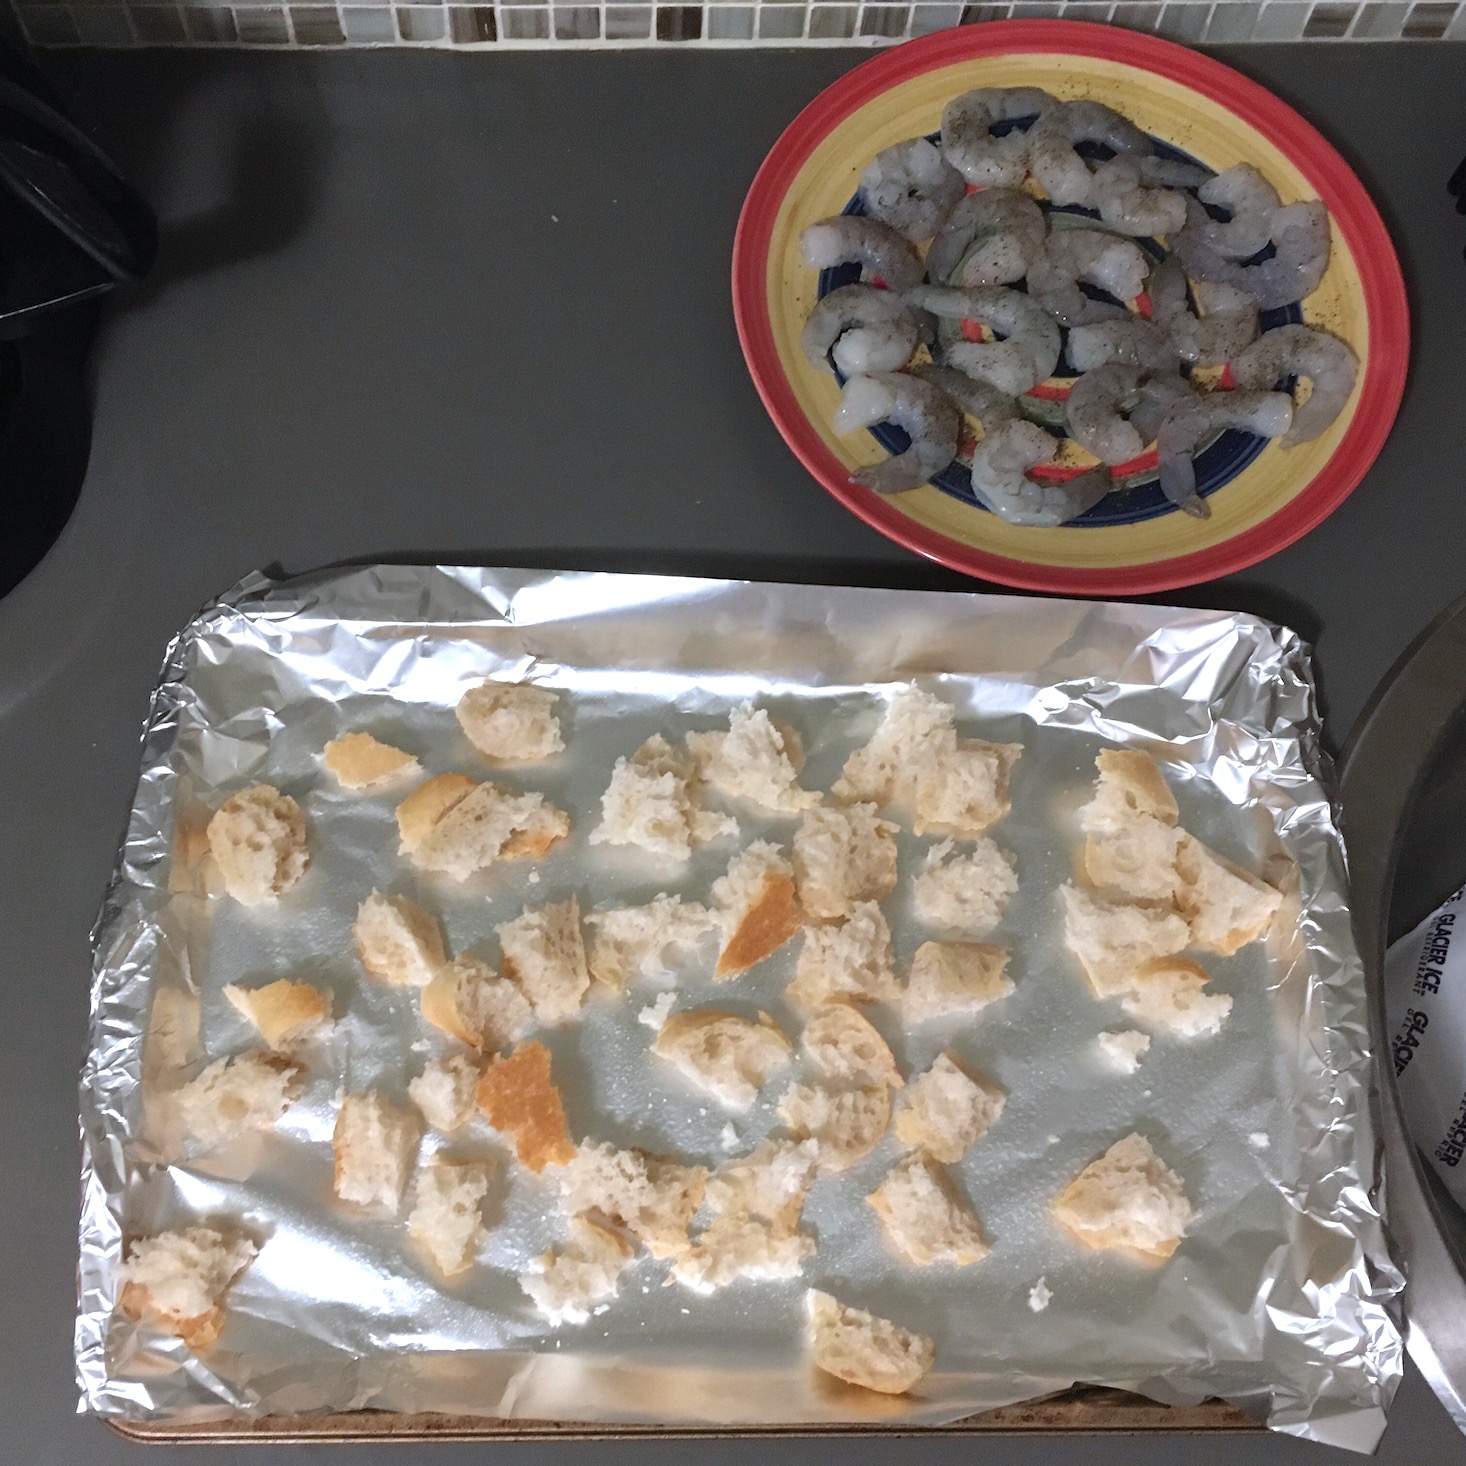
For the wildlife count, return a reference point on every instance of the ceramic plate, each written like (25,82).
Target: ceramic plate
(1262,496)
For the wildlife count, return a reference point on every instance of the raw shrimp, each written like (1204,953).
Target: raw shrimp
(977,399)
(1300,351)
(989,238)
(911,187)
(1158,172)
(1028,354)
(1228,327)
(1000,465)
(1156,397)
(852,239)
(974,149)
(1191,420)
(922,412)
(1094,413)
(1133,341)
(1250,201)
(858,329)
(1115,265)
(1126,203)
(1060,171)
(1300,236)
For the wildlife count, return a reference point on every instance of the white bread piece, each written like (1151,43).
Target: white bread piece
(1122,1049)
(511,722)
(1225,905)
(729,1057)
(258,841)
(566,1285)
(946,1110)
(652,1197)
(398,941)
(757,759)
(769,1182)
(360,761)
(374,1144)
(756,903)
(628,942)
(1169,993)
(950,979)
(444,1091)
(846,1124)
(1137,859)
(285,1013)
(734,1247)
(1129,1201)
(519,1099)
(235,1095)
(447,1219)
(845,1048)
(1113,939)
(843,856)
(852,960)
(469,1001)
(489,823)
(1129,785)
(653,800)
(967,893)
(178,1280)
(545,954)
(916,729)
(427,804)
(965,791)
(861,1349)
(924,1219)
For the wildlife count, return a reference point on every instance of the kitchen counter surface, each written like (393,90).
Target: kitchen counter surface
(475,307)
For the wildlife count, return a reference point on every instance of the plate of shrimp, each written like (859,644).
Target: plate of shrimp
(1070,308)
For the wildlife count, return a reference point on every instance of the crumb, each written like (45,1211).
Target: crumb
(654,1015)
(1258,1140)
(1053,1139)
(1122,1049)
(602,1308)
(1039,1296)
(686,1310)
(420,1046)
(702,1110)
(534,877)
(728,1139)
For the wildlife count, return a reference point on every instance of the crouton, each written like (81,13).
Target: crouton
(843,856)
(545,955)
(966,893)
(1128,1201)
(757,760)
(946,1110)
(178,1280)
(518,1099)
(862,1349)
(950,979)
(511,722)
(258,840)
(728,1056)
(398,941)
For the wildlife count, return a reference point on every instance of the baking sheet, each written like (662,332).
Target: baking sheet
(1278,1297)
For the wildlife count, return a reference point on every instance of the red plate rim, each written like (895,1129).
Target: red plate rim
(1353,212)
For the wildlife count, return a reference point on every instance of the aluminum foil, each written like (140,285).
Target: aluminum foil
(1279,1297)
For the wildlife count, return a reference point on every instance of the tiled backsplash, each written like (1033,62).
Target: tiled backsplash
(541,23)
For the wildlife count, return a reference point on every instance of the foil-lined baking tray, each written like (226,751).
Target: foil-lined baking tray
(1278,1299)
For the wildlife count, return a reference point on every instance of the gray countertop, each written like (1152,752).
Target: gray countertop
(476,307)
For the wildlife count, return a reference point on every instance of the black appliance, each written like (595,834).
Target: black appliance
(71,229)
